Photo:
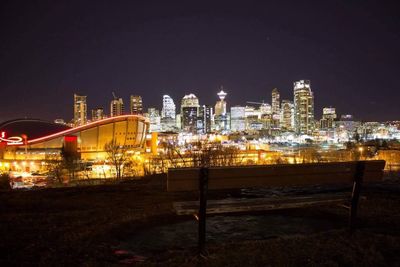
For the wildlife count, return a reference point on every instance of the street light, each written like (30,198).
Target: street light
(25,137)
(361,149)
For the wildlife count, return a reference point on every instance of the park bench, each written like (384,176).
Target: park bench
(280,175)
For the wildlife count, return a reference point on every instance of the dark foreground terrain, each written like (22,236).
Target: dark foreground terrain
(99,226)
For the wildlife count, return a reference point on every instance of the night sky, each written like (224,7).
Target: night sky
(350,50)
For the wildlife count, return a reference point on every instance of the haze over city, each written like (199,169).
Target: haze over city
(51,50)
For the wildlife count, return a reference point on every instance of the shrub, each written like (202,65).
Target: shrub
(4,182)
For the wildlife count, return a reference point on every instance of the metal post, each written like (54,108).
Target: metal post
(203,187)
(356,193)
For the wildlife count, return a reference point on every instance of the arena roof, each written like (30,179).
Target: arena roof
(32,128)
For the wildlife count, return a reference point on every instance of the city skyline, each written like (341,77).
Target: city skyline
(107,111)
(57,49)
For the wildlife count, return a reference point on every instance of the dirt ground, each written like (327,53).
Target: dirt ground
(85,226)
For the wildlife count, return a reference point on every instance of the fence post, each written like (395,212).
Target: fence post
(203,188)
(355,196)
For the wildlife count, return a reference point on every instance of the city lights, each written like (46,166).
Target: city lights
(259,132)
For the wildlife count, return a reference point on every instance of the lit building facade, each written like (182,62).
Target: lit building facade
(136,104)
(303,107)
(154,119)
(80,110)
(88,140)
(266,116)
(221,116)
(168,115)
(97,114)
(238,119)
(328,119)
(204,122)
(276,115)
(117,107)
(287,115)
(189,112)
(169,108)
(346,128)
(275,103)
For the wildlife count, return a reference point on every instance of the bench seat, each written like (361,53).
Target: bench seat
(240,205)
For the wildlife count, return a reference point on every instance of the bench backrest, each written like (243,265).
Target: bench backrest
(187,179)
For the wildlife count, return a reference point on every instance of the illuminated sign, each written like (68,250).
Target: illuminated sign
(14,140)
(70,138)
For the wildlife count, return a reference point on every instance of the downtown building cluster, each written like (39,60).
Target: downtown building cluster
(117,108)
(281,120)
(295,116)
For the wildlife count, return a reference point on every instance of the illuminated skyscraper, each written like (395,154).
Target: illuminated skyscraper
(238,118)
(116,107)
(80,110)
(204,119)
(97,114)
(168,109)
(189,113)
(168,114)
(265,108)
(136,104)
(328,118)
(275,101)
(221,118)
(155,119)
(276,114)
(287,115)
(220,106)
(303,107)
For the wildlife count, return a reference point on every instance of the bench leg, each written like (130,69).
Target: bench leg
(355,196)
(203,186)
(354,205)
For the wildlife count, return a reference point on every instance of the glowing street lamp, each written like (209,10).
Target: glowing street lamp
(25,137)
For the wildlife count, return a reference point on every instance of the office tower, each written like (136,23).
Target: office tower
(178,119)
(265,117)
(189,113)
(238,118)
(97,114)
(136,104)
(253,118)
(287,115)
(168,109)
(117,107)
(276,115)
(80,110)
(275,101)
(328,118)
(204,119)
(220,117)
(303,107)
(265,108)
(168,114)
(155,119)
(190,100)
(347,128)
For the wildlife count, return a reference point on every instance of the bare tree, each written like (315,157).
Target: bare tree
(55,168)
(70,161)
(117,155)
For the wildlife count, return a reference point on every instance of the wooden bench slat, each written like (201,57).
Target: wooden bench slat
(273,175)
(258,204)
